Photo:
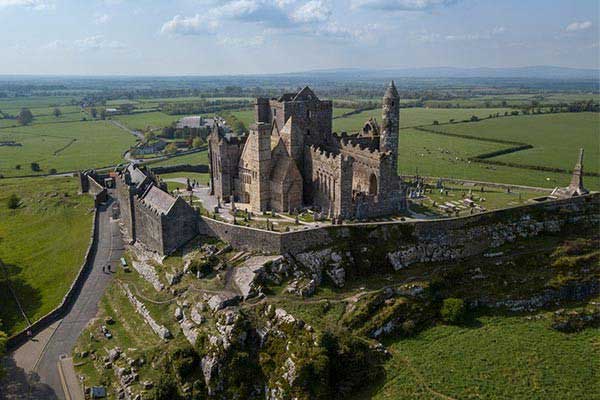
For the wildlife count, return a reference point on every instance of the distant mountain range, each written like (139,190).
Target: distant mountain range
(539,72)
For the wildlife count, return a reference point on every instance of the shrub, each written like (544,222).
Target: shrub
(35,167)
(165,389)
(13,201)
(453,310)
(52,171)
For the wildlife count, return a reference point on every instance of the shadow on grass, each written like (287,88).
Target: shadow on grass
(28,296)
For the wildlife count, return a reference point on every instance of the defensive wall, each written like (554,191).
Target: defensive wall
(423,240)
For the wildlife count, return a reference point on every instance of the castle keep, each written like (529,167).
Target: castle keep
(292,159)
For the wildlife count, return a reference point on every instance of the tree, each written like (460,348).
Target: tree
(103,114)
(18,166)
(25,116)
(165,389)
(197,142)
(453,310)
(13,202)
(93,112)
(436,122)
(57,113)
(126,108)
(35,167)
(149,136)
(474,118)
(52,171)
(171,148)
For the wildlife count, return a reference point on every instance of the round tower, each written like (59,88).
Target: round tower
(388,139)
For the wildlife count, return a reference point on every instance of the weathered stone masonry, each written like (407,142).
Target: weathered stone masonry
(405,243)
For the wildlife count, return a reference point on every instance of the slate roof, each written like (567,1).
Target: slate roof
(158,200)
(136,174)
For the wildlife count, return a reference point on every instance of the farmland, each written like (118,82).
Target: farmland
(414,117)
(62,146)
(42,244)
(556,138)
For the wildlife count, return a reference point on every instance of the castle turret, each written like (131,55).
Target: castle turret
(260,164)
(388,139)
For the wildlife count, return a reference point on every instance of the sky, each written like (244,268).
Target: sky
(211,37)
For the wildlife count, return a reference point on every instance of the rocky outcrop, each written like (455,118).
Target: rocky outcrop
(141,309)
(148,272)
(247,276)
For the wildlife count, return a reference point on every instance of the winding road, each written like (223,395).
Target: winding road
(32,371)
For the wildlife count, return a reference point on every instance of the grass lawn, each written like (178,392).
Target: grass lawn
(414,117)
(437,155)
(246,116)
(64,146)
(556,138)
(200,157)
(497,358)
(201,178)
(43,244)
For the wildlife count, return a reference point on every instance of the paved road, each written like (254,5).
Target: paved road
(44,381)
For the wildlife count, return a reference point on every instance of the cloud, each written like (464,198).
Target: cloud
(299,17)
(100,19)
(196,25)
(91,43)
(313,11)
(33,4)
(402,5)
(578,26)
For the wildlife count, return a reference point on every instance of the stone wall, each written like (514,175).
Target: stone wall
(421,241)
(148,226)
(203,169)
(179,226)
(241,237)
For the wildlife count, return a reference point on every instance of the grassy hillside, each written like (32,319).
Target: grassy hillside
(42,243)
(64,146)
(496,357)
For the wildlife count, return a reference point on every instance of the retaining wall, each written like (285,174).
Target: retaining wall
(61,310)
(471,234)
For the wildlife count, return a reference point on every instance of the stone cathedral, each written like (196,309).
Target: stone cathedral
(292,159)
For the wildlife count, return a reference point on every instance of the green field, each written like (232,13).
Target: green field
(64,146)
(42,243)
(497,358)
(147,120)
(556,138)
(436,155)
(414,117)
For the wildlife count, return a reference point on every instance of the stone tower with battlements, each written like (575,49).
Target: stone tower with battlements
(388,140)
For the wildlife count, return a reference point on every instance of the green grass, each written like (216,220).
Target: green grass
(65,147)
(246,116)
(143,121)
(414,117)
(503,358)
(556,138)
(200,177)
(193,159)
(42,243)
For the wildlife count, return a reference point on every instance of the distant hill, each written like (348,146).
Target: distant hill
(538,72)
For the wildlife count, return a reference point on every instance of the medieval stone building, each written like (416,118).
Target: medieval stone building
(150,214)
(292,159)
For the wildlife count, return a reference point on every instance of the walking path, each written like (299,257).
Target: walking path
(32,369)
